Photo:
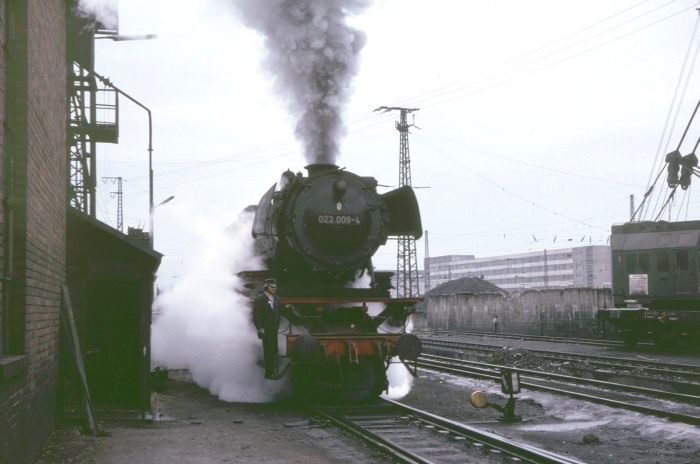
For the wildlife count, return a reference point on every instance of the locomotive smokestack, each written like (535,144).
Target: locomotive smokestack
(313,55)
(319,167)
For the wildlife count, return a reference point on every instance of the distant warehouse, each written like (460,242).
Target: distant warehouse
(579,267)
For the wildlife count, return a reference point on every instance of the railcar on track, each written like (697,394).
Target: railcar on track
(656,282)
(317,235)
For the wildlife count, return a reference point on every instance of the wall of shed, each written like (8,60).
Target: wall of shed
(110,279)
(561,312)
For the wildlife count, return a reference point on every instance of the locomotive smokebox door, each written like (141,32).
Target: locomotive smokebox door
(336,219)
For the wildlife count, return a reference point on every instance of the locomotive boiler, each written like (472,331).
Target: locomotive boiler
(317,235)
(656,282)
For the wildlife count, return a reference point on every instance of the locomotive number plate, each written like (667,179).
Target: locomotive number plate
(338,219)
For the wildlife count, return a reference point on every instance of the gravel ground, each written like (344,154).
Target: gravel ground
(588,432)
(195,427)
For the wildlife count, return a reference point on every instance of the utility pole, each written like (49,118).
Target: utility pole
(118,193)
(406,262)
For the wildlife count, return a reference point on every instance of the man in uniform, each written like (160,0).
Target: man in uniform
(266,317)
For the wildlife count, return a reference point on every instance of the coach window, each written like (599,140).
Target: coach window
(631,261)
(662,261)
(644,262)
(682,260)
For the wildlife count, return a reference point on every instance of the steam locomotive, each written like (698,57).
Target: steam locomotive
(656,282)
(317,235)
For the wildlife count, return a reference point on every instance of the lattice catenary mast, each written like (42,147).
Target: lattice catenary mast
(407,263)
(119,195)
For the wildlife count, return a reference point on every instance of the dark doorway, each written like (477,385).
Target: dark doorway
(113,338)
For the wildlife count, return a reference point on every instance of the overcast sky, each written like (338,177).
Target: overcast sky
(537,120)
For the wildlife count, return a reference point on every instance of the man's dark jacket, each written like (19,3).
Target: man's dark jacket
(266,316)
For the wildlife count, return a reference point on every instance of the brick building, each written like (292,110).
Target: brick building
(33,180)
(49,241)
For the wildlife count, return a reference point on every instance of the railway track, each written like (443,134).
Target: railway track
(410,435)
(578,341)
(611,365)
(679,407)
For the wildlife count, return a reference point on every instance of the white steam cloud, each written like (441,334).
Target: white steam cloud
(313,55)
(203,324)
(103,11)
(400,379)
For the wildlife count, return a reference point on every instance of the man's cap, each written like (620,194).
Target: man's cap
(270,282)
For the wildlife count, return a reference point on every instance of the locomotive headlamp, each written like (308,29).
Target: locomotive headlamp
(339,188)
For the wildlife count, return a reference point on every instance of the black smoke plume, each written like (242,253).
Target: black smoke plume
(313,55)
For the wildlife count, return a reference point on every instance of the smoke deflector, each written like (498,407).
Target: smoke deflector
(404,214)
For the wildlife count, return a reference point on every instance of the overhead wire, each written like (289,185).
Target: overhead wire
(415,103)
(502,188)
(667,132)
(188,167)
(416,100)
(459,144)
(426,102)
(371,116)
(242,157)
(531,52)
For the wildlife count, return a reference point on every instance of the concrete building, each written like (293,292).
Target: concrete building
(579,267)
